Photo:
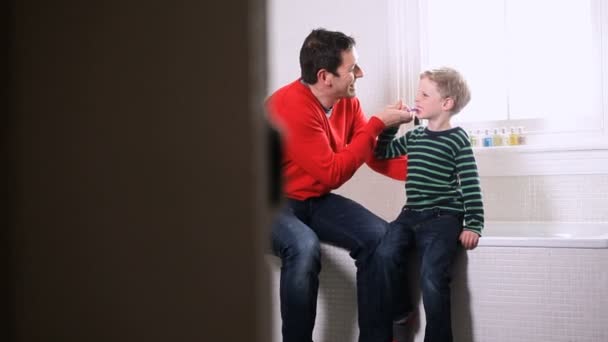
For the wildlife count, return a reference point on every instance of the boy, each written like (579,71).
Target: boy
(442,189)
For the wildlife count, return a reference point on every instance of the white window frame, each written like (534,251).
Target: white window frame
(584,152)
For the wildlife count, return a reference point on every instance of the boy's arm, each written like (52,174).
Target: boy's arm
(466,168)
(388,146)
(468,239)
(390,155)
(395,167)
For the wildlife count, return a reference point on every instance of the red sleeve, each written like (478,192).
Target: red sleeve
(308,146)
(395,168)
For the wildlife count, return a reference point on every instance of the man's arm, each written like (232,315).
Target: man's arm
(307,144)
(395,168)
(383,160)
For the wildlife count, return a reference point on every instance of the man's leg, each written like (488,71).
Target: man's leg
(437,243)
(347,224)
(298,247)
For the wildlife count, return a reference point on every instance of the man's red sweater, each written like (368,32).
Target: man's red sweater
(321,153)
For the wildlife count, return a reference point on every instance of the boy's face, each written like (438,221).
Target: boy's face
(429,102)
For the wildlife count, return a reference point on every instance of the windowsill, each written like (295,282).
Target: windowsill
(527,160)
(540,148)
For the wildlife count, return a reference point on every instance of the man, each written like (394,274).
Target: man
(326,139)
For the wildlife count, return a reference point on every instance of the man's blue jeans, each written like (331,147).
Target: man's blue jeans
(334,219)
(435,236)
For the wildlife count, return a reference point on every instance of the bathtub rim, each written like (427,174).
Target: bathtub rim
(597,241)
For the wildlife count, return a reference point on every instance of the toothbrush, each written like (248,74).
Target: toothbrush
(413,111)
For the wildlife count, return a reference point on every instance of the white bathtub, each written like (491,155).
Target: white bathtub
(533,281)
(527,281)
(545,234)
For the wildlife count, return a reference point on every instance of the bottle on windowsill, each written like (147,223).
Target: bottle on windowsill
(513,137)
(496,138)
(473,138)
(521,136)
(487,139)
(504,135)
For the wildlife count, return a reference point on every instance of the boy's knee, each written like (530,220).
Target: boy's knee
(434,282)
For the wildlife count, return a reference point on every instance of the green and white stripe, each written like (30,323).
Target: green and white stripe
(442,172)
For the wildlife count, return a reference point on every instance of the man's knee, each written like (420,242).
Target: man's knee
(304,253)
(395,244)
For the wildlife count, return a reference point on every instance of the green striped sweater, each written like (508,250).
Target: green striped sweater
(442,172)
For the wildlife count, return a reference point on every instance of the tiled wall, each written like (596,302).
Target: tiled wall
(504,294)
(500,294)
(525,198)
(337,303)
(546,198)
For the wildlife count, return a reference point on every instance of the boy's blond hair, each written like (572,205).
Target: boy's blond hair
(450,83)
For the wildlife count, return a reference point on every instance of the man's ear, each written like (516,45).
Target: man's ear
(324,76)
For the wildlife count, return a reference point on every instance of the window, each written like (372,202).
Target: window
(541,64)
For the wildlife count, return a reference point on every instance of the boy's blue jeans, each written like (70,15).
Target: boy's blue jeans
(296,233)
(435,235)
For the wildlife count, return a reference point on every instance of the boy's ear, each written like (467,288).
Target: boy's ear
(448,104)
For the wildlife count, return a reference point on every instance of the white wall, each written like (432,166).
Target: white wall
(291,21)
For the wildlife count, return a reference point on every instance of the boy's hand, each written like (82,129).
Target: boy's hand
(469,239)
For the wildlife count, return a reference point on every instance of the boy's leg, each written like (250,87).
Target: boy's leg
(396,246)
(437,243)
(347,224)
(298,247)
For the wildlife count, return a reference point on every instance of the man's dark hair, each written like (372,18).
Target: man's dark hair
(322,49)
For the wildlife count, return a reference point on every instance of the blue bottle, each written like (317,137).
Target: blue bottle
(487,139)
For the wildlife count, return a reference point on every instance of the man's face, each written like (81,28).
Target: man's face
(348,73)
